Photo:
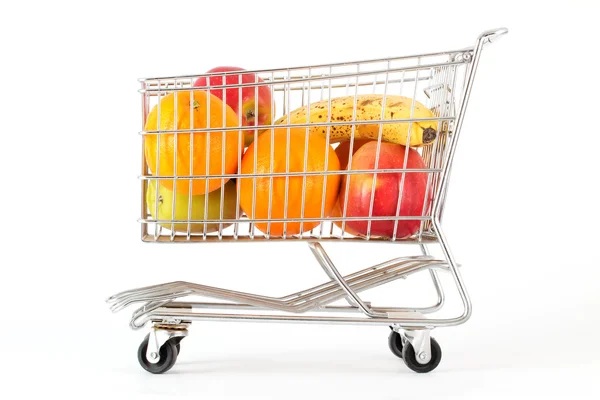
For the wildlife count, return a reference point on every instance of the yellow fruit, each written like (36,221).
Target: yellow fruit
(165,207)
(368,107)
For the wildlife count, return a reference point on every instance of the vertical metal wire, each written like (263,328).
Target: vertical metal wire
(255,121)
(223,149)
(306,138)
(348,86)
(327,146)
(192,134)
(241,142)
(320,99)
(157,226)
(427,152)
(374,184)
(374,86)
(406,150)
(287,159)
(207,151)
(302,91)
(402,81)
(272,160)
(255,134)
(284,99)
(322,89)
(175,153)
(350,153)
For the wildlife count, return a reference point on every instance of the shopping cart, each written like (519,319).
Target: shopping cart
(440,81)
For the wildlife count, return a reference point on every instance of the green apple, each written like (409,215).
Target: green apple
(165,207)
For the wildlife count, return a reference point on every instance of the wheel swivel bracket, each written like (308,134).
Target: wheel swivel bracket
(159,335)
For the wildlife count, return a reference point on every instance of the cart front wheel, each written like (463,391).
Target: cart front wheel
(177,341)
(410,358)
(395,343)
(168,356)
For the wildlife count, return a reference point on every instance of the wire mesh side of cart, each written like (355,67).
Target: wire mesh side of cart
(436,80)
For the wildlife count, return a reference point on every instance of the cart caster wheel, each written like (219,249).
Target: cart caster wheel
(395,343)
(410,359)
(168,356)
(177,340)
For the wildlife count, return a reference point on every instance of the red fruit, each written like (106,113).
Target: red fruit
(343,148)
(387,190)
(252,100)
(343,153)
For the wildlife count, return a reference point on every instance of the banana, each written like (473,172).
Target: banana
(368,107)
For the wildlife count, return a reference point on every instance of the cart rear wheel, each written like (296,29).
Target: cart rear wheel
(395,343)
(410,358)
(168,356)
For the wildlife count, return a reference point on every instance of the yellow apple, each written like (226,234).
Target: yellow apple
(165,207)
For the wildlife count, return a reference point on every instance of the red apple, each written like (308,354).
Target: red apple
(255,104)
(343,152)
(387,190)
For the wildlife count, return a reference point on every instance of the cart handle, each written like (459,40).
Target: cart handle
(492,35)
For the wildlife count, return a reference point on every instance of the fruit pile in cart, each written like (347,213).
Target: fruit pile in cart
(325,161)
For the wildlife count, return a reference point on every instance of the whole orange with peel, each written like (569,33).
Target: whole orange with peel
(319,190)
(189,155)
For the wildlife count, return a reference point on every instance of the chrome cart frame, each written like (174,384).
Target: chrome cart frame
(447,79)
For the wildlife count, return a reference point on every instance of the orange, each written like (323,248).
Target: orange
(313,197)
(167,153)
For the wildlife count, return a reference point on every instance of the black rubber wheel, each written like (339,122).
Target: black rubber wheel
(168,356)
(410,359)
(177,340)
(395,343)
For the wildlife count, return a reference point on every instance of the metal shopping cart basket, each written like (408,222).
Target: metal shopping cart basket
(296,154)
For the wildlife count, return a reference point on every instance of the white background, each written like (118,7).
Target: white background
(522,215)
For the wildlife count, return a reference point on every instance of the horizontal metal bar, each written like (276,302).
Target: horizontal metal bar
(165,314)
(237,306)
(286,69)
(284,174)
(304,125)
(148,238)
(307,79)
(280,84)
(343,85)
(305,219)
